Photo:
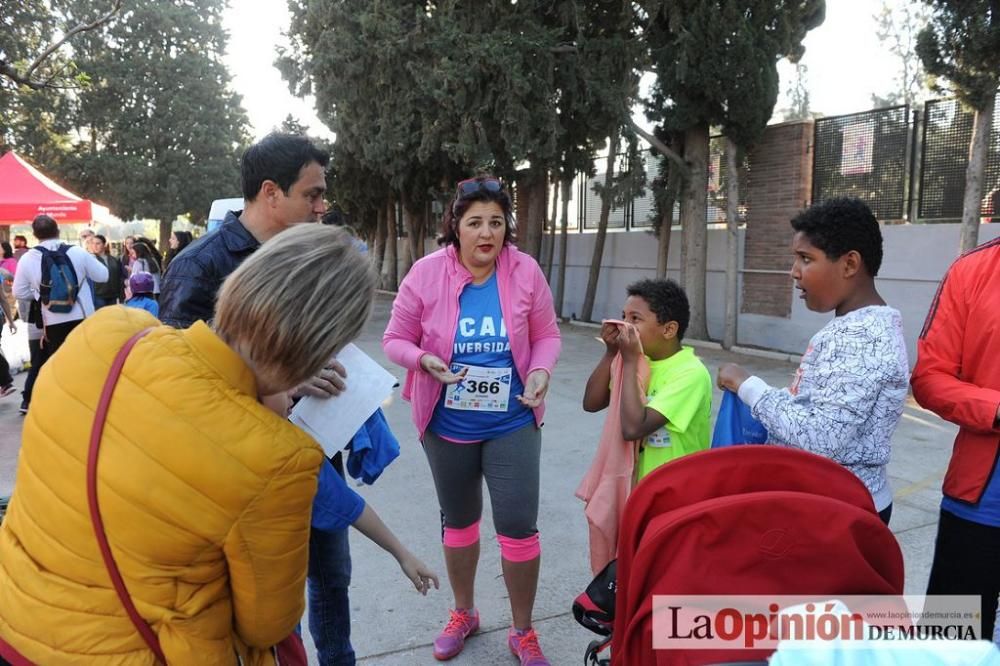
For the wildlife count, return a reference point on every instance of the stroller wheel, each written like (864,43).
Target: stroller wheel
(591,656)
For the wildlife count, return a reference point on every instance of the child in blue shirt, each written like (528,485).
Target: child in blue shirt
(141,287)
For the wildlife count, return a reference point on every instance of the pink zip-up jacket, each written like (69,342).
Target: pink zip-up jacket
(425,318)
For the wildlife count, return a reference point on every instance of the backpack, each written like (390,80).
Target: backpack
(59,286)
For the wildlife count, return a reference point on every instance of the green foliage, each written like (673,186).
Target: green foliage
(961,45)
(798,95)
(155,129)
(163,127)
(30,121)
(716,61)
(28,26)
(899,24)
(364,62)
(629,180)
(292,125)
(598,82)
(665,189)
(421,94)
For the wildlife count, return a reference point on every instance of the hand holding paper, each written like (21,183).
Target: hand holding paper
(333,421)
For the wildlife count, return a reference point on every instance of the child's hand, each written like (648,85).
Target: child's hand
(731,377)
(419,574)
(629,345)
(329,383)
(609,334)
(440,371)
(535,388)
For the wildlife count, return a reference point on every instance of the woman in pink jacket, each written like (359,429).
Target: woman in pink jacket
(473,325)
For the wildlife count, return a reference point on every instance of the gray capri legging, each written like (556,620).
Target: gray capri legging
(511,467)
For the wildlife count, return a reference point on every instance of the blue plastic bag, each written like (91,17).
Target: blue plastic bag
(735,424)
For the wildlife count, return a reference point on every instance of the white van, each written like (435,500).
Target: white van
(218,212)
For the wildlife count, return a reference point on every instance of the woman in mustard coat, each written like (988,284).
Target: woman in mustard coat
(205,493)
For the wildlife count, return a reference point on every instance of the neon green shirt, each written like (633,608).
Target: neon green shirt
(680,388)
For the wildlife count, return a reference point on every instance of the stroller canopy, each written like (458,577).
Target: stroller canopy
(740,521)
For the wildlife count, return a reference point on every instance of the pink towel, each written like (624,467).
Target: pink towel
(608,482)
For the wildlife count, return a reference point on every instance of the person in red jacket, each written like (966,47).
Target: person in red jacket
(957,376)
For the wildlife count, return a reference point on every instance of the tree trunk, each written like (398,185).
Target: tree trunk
(694,228)
(166,226)
(567,187)
(407,260)
(550,249)
(421,218)
(732,245)
(414,221)
(392,244)
(536,214)
(674,177)
(380,240)
(586,314)
(975,173)
(663,241)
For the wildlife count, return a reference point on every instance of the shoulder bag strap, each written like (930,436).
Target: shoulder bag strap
(95,512)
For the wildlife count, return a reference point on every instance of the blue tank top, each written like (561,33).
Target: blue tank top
(481,341)
(986,512)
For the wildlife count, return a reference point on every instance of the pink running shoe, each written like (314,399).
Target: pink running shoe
(524,646)
(462,624)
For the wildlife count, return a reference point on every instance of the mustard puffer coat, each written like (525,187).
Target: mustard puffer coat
(205,494)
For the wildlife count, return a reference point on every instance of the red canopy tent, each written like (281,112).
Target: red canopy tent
(26,192)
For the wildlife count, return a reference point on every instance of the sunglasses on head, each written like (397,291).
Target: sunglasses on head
(471,186)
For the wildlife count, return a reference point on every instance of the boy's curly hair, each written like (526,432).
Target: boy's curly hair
(667,301)
(840,225)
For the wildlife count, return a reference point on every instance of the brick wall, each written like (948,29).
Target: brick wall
(780,186)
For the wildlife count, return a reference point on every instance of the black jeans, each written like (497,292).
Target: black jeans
(5,378)
(35,347)
(967,561)
(55,335)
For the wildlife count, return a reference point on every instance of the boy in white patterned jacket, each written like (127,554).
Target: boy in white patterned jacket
(848,393)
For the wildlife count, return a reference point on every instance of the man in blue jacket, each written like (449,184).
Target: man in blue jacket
(283,179)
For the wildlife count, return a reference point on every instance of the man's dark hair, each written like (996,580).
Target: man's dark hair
(459,205)
(44,228)
(333,217)
(101,238)
(279,158)
(21,238)
(667,301)
(840,225)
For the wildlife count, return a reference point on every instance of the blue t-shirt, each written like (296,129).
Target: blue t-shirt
(144,303)
(481,340)
(986,512)
(336,506)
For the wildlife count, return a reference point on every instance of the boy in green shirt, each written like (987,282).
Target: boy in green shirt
(673,419)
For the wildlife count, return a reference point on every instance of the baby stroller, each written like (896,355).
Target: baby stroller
(739,521)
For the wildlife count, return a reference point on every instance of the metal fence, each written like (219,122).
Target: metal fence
(638,212)
(947,132)
(589,210)
(718,182)
(864,155)
(907,165)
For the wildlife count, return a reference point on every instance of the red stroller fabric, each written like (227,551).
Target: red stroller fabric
(745,520)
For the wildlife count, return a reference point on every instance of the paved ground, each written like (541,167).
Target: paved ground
(394,625)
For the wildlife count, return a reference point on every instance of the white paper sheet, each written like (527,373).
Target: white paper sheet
(333,421)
